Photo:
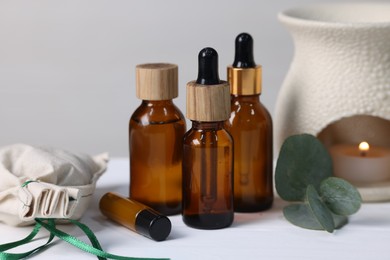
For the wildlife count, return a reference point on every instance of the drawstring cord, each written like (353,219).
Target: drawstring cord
(49,224)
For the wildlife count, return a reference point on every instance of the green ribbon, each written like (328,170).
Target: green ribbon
(50,225)
(27,183)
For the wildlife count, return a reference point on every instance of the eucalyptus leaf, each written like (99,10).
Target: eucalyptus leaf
(319,209)
(301,215)
(303,160)
(340,196)
(339,221)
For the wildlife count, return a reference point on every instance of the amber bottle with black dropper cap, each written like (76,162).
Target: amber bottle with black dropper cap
(156,132)
(250,125)
(208,149)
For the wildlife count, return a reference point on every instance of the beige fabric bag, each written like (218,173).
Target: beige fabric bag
(42,182)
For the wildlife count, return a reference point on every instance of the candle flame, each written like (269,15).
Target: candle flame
(364,147)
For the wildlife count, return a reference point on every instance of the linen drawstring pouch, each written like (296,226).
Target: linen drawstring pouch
(42,182)
(45,186)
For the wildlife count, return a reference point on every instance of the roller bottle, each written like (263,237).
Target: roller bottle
(208,149)
(250,125)
(156,132)
(135,216)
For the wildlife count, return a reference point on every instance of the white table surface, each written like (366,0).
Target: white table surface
(265,235)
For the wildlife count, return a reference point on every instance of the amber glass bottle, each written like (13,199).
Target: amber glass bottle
(208,150)
(135,216)
(156,130)
(250,125)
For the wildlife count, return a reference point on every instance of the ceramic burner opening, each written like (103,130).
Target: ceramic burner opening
(355,129)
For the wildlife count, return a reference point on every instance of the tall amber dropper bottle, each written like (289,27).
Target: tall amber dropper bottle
(208,149)
(251,128)
(156,132)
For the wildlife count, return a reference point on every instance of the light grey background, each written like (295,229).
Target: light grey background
(67,66)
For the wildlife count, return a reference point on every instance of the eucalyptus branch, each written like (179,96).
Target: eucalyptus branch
(304,175)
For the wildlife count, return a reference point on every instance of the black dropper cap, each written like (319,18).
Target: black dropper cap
(208,67)
(244,52)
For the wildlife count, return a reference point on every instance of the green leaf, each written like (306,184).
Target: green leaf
(303,160)
(300,215)
(340,196)
(339,221)
(319,209)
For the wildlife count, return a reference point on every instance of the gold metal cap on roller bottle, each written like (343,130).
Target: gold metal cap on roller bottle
(245,81)
(157,81)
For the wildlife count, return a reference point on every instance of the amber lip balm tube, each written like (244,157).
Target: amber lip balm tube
(135,216)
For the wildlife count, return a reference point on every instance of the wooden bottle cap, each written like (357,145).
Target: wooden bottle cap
(157,81)
(208,103)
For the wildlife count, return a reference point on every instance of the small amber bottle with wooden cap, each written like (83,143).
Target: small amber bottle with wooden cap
(250,125)
(208,149)
(156,132)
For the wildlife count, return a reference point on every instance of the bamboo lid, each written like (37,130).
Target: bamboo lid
(157,81)
(208,98)
(208,103)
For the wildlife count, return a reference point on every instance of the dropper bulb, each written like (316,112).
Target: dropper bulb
(244,52)
(208,67)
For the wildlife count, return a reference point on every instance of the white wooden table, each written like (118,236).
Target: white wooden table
(265,235)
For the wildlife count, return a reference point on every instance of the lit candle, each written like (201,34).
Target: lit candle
(361,165)
(363,148)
